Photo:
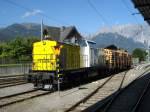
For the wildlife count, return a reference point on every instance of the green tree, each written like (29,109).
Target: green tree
(28,42)
(1,48)
(139,53)
(18,48)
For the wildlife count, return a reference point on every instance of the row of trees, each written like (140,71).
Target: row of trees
(21,49)
(18,48)
(140,53)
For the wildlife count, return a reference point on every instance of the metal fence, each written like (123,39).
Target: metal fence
(14,69)
(11,66)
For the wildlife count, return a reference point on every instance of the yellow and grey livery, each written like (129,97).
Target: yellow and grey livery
(46,53)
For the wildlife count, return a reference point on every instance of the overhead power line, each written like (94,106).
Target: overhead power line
(98,13)
(42,14)
(130,12)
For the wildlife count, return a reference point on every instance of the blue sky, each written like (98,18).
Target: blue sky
(69,12)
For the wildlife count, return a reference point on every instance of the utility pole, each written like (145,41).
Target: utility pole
(41,29)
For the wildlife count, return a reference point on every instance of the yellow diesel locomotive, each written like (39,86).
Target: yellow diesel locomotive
(72,63)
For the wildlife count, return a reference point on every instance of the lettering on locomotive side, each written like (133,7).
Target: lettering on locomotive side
(44,60)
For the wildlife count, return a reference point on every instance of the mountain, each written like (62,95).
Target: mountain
(104,39)
(22,30)
(138,33)
(125,36)
(128,36)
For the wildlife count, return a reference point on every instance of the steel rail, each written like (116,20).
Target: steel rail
(92,94)
(13,84)
(27,95)
(119,89)
(7,76)
(136,107)
(108,104)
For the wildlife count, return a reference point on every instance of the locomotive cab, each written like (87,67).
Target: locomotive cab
(89,53)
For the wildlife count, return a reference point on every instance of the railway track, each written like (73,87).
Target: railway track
(126,99)
(142,96)
(7,81)
(19,97)
(100,93)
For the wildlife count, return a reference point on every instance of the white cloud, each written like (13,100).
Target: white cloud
(32,13)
